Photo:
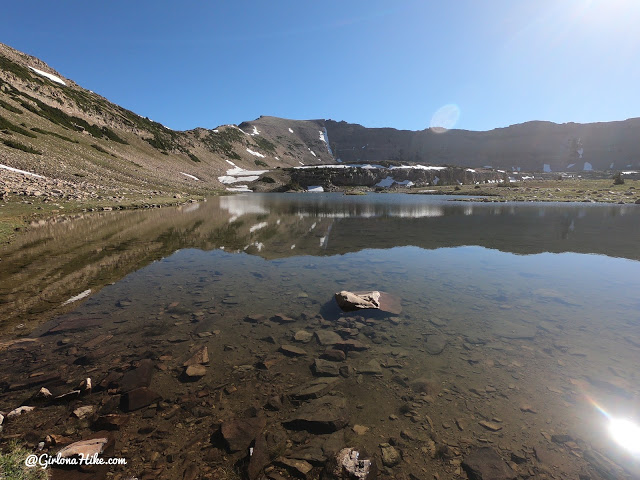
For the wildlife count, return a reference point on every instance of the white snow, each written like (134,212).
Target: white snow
(290,130)
(418,167)
(11,169)
(190,176)
(315,189)
(629,172)
(231,163)
(436,180)
(546,168)
(322,139)
(387,182)
(580,151)
(80,296)
(255,131)
(527,178)
(50,76)
(277,158)
(571,165)
(257,154)
(611,165)
(293,246)
(587,167)
(487,166)
(325,137)
(258,226)
(227,179)
(300,163)
(215,130)
(240,188)
(322,241)
(312,152)
(472,170)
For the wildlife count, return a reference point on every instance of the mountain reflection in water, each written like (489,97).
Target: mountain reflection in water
(519,326)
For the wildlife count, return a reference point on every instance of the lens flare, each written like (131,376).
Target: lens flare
(626,434)
(445,118)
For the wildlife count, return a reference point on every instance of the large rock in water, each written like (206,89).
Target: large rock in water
(485,464)
(323,415)
(374,300)
(238,433)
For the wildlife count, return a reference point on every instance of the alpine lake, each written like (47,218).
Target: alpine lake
(204,341)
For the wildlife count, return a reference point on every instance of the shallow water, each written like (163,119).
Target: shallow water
(525,316)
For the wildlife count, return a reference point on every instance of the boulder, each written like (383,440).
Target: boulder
(86,448)
(350,301)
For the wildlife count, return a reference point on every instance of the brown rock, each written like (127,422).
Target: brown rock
(485,464)
(138,398)
(137,377)
(238,433)
(291,351)
(200,357)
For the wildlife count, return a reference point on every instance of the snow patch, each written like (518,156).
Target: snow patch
(50,76)
(231,163)
(611,165)
(11,169)
(80,296)
(587,167)
(629,172)
(258,226)
(315,189)
(255,131)
(418,167)
(255,153)
(387,182)
(190,176)
(571,165)
(291,131)
(325,137)
(546,168)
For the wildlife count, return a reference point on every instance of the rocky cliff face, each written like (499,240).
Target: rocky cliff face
(379,176)
(531,146)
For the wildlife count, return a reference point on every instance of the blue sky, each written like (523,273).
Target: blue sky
(491,63)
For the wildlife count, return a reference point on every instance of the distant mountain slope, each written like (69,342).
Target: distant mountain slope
(528,146)
(51,126)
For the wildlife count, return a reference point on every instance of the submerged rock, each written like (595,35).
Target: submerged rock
(291,351)
(485,463)
(324,368)
(201,356)
(349,464)
(390,456)
(86,448)
(238,433)
(323,415)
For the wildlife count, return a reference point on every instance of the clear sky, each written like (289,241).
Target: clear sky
(489,63)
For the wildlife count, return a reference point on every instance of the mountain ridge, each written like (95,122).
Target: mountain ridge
(51,126)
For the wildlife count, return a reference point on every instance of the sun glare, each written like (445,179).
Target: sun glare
(626,434)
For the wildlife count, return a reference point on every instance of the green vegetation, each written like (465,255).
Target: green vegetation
(261,163)
(58,117)
(617,179)
(12,464)
(222,142)
(20,146)
(265,144)
(193,157)
(8,106)
(18,70)
(99,148)
(267,180)
(7,125)
(54,134)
